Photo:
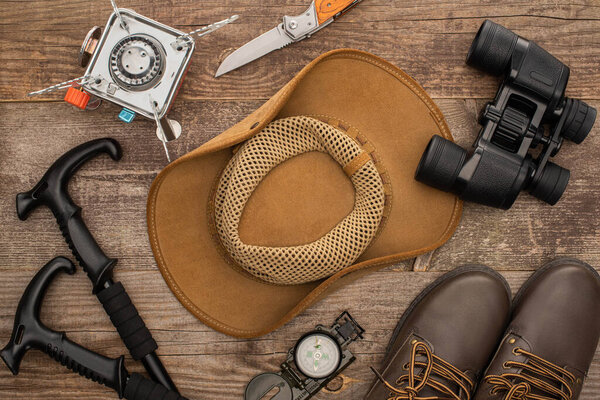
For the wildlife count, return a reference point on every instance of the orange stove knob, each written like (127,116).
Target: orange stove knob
(77,97)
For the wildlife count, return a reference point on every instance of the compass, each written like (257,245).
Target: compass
(317,355)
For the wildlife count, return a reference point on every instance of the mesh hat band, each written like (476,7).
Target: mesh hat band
(342,245)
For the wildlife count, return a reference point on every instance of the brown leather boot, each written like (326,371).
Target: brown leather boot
(445,338)
(550,342)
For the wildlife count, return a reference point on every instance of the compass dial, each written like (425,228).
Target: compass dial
(317,355)
(137,62)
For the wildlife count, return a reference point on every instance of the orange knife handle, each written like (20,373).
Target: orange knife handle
(329,8)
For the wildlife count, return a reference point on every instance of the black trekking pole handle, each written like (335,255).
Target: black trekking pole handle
(52,192)
(30,333)
(89,364)
(107,371)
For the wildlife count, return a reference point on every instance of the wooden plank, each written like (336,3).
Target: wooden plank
(112,194)
(206,364)
(422,262)
(40,41)
(521,238)
(194,353)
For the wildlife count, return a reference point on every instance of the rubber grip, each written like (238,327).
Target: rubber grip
(52,192)
(125,318)
(140,388)
(86,250)
(91,365)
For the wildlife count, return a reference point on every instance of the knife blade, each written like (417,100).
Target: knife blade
(269,41)
(319,14)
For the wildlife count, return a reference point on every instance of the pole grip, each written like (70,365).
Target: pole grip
(126,319)
(52,191)
(93,366)
(97,265)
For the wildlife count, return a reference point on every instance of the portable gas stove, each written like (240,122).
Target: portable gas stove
(138,64)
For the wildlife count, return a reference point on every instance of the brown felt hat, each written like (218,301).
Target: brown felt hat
(306,194)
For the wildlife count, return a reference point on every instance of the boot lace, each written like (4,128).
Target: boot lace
(409,385)
(518,386)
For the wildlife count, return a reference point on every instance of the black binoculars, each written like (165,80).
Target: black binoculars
(531,97)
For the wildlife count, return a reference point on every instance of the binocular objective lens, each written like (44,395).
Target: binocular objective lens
(492,48)
(441,163)
(552,183)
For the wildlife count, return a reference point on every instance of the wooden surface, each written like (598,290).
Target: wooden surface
(429,39)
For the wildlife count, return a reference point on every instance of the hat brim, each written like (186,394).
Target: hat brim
(359,89)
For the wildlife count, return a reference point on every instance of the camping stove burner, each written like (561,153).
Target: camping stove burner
(137,62)
(126,64)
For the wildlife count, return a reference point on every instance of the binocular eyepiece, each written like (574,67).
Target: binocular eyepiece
(531,97)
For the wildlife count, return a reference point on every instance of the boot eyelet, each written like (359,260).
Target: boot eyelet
(505,365)
(405,367)
(516,351)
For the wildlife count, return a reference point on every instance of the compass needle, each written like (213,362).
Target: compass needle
(323,355)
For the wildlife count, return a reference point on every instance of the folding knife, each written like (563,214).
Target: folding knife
(293,29)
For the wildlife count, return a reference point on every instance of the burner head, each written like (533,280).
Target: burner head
(137,62)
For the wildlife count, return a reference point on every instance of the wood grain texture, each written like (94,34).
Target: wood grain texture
(427,38)
(39,41)
(518,239)
(206,364)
